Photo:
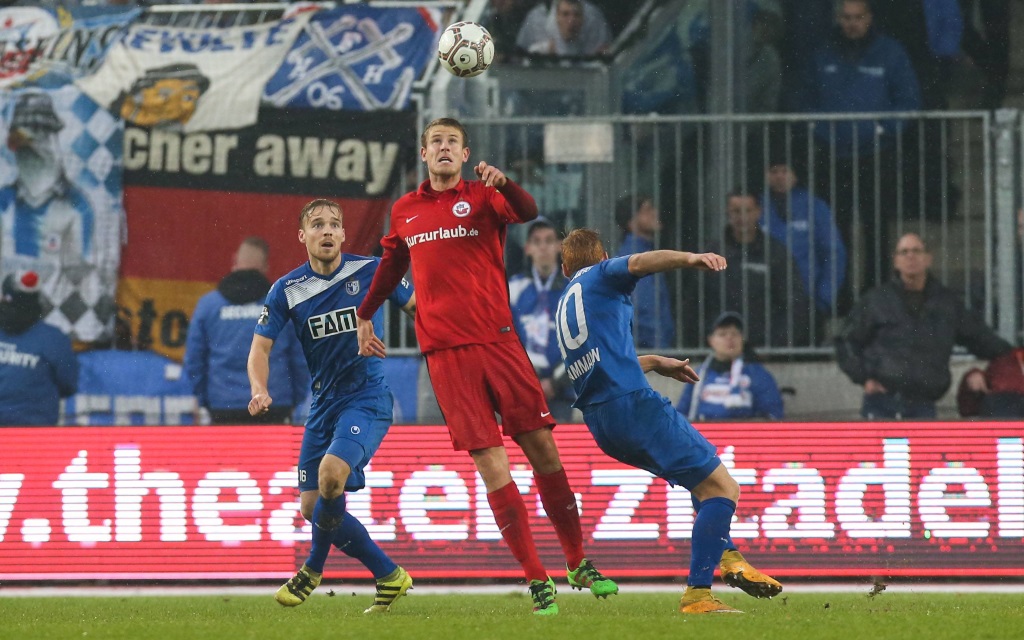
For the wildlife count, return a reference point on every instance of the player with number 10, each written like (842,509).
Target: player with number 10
(634,424)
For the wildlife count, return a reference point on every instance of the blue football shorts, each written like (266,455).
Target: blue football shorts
(643,430)
(349,426)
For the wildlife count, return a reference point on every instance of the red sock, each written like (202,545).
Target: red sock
(560,503)
(510,513)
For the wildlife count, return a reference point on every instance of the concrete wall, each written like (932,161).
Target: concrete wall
(823,392)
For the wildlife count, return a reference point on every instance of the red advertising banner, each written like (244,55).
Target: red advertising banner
(819,500)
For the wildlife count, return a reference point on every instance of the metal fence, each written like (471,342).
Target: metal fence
(861,182)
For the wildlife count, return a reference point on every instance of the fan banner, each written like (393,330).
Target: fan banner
(858,499)
(356,58)
(184,79)
(53,46)
(192,198)
(60,203)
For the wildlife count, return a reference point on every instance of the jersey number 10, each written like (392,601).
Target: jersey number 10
(566,339)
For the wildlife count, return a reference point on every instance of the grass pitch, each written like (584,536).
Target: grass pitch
(799,616)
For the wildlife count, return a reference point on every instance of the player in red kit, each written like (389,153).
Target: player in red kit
(453,232)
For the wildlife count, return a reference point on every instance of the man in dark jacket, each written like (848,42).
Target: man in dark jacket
(219,337)
(860,70)
(762,282)
(898,341)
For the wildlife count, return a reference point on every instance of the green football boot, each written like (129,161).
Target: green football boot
(586,576)
(543,594)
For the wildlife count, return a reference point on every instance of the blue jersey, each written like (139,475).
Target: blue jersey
(594,320)
(323,313)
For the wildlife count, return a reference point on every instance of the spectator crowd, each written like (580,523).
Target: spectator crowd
(811,212)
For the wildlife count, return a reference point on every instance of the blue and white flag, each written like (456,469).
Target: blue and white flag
(51,47)
(357,58)
(60,203)
(186,79)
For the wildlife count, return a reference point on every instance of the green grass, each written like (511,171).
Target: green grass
(800,616)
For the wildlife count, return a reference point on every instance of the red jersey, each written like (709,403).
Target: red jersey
(456,241)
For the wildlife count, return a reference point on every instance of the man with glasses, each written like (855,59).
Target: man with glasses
(898,340)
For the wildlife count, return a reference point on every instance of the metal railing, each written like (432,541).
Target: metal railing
(877,175)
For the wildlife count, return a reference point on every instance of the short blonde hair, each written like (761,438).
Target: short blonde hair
(444,122)
(316,204)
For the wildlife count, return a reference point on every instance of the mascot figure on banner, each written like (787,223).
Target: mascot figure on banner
(59,214)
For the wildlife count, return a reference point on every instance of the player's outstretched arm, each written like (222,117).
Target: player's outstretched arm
(648,262)
(670,368)
(369,343)
(259,372)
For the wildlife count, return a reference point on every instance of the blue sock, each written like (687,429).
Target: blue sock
(327,517)
(352,539)
(729,544)
(710,533)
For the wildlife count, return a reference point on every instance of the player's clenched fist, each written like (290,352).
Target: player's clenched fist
(260,403)
(490,176)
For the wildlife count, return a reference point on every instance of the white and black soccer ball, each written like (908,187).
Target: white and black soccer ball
(465,49)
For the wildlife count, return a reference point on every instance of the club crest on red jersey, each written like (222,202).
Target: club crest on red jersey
(461,209)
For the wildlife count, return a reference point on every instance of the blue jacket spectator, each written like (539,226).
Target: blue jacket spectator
(806,226)
(945,26)
(653,324)
(220,334)
(37,365)
(859,70)
(533,297)
(730,387)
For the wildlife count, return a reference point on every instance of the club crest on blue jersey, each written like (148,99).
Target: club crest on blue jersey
(332,323)
(461,209)
(352,287)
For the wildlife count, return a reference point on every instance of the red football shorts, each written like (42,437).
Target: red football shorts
(473,382)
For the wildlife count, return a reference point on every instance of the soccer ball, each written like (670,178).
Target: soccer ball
(465,49)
